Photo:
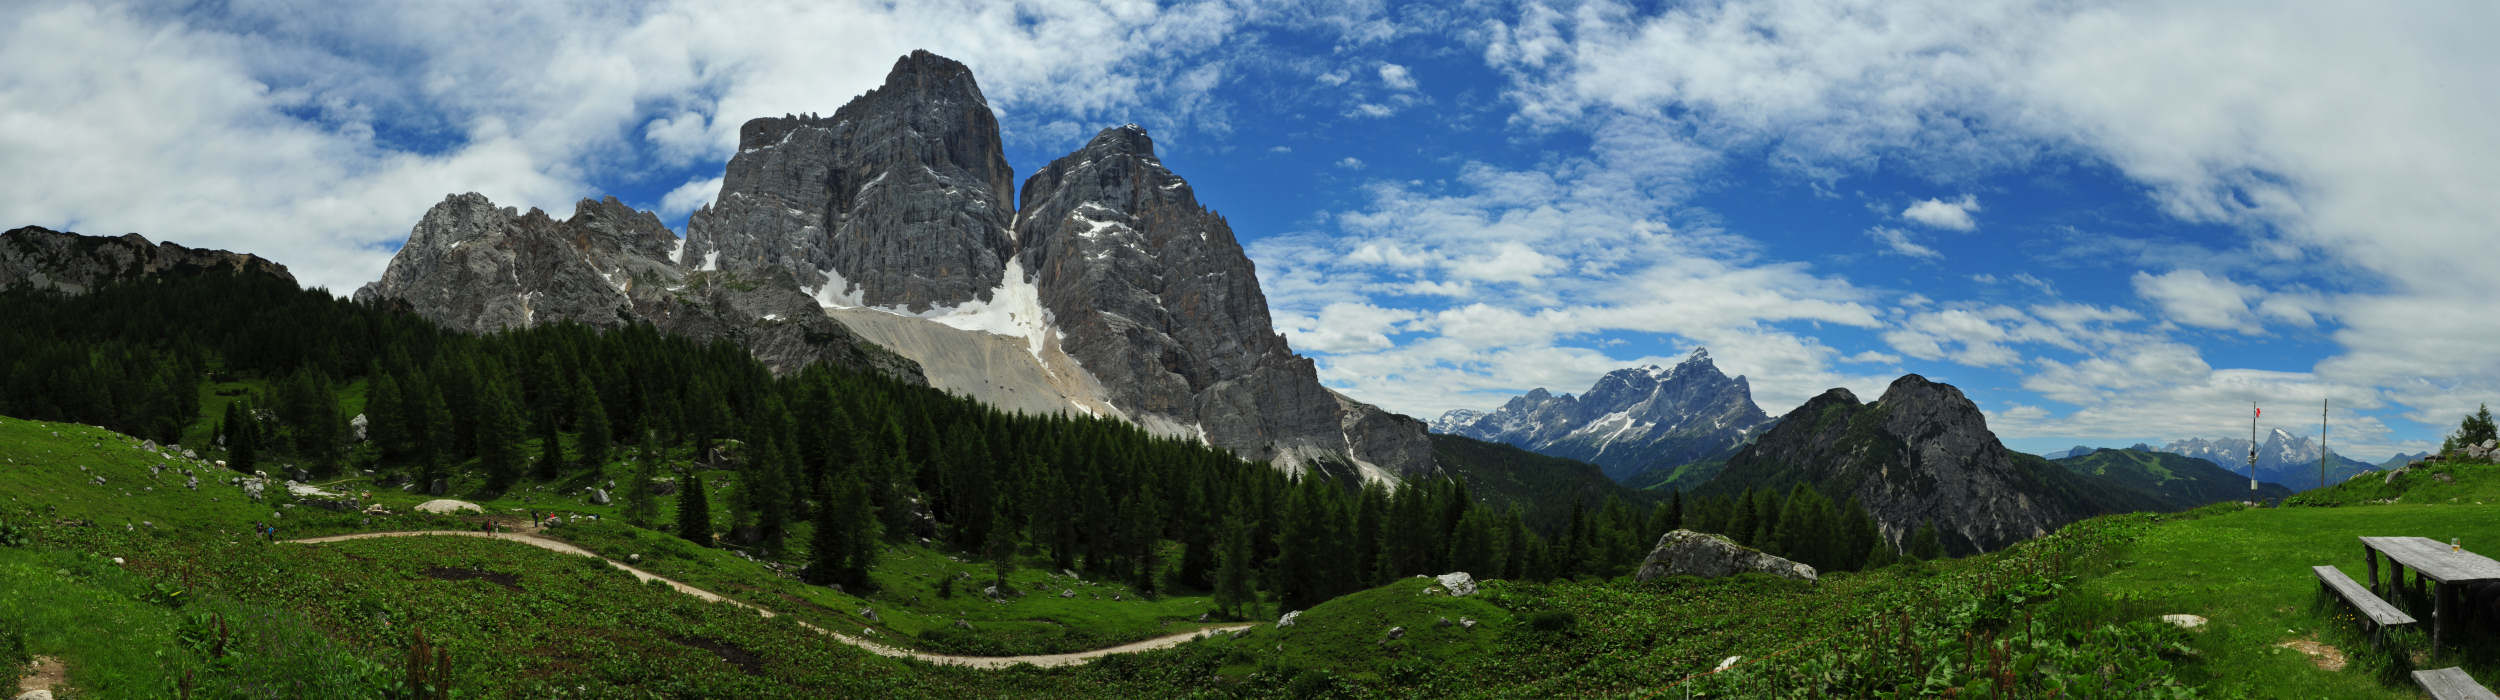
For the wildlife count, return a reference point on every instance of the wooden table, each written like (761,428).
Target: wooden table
(2430,559)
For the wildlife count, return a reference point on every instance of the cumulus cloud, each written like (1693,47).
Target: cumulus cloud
(1955,215)
(317,134)
(689,197)
(1396,77)
(1350,163)
(1897,242)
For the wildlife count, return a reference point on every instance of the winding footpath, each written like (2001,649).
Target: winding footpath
(991,662)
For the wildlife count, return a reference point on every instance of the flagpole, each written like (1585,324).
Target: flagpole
(2253,413)
(2322,443)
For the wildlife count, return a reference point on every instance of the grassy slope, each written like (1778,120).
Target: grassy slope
(2179,482)
(2436,482)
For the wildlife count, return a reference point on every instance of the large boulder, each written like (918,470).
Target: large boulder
(446,506)
(1689,553)
(1459,583)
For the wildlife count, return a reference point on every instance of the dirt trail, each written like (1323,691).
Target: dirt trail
(1042,660)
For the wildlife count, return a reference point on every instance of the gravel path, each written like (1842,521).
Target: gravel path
(1041,660)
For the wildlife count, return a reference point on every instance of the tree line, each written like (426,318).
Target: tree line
(826,466)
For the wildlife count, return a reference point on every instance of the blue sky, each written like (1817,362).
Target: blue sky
(2106,222)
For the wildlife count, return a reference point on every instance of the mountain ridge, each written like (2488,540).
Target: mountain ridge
(1631,422)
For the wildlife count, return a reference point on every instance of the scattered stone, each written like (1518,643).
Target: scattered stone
(1065,593)
(1202,617)
(991,591)
(302,476)
(960,624)
(1445,622)
(356,426)
(1115,597)
(1071,573)
(190,455)
(1287,620)
(438,488)
(1689,553)
(1466,623)
(870,614)
(1727,663)
(2184,621)
(2444,478)
(1396,633)
(1459,583)
(149,445)
(117,561)
(35,695)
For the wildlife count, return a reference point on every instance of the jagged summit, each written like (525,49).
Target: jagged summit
(1921,453)
(1631,422)
(72,263)
(897,217)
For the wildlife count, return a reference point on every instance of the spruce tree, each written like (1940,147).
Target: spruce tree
(498,434)
(242,438)
(1741,519)
(1000,550)
(1673,518)
(772,521)
(597,438)
(1927,545)
(827,546)
(385,423)
(694,511)
(550,452)
(642,501)
(1879,555)
(1232,576)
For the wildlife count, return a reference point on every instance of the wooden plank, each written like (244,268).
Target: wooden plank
(2379,612)
(2433,558)
(2452,684)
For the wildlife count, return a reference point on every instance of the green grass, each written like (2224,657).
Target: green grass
(2436,482)
(2248,572)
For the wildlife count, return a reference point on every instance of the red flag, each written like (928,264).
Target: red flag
(2260,412)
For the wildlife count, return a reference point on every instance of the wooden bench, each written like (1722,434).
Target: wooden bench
(2380,612)
(2452,684)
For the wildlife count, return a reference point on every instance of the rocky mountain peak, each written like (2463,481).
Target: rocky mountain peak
(474,266)
(902,198)
(72,263)
(1631,421)
(1922,453)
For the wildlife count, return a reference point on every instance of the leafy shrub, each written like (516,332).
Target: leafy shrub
(1553,621)
(13,655)
(1311,683)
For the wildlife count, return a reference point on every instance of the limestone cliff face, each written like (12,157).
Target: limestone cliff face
(902,198)
(473,266)
(1126,295)
(1157,299)
(71,263)
(1922,453)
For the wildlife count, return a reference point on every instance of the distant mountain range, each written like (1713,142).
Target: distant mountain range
(1638,425)
(2179,482)
(2283,458)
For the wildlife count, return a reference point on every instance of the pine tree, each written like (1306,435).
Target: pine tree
(1673,518)
(386,424)
(1232,577)
(772,522)
(242,438)
(2476,429)
(642,501)
(1861,536)
(430,427)
(826,546)
(1927,545)
(694,511)
(1000,550)
(597,438)
(1879,555)
(550,452)
(498,434)
(1741,519)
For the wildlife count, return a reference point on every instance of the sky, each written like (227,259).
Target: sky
(2106,222)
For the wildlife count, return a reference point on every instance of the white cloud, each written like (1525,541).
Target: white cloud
(1370,110)
(2190,297)
(1955,215)
(1335,78)
(689,197)
(1897,242)
(316,134)
(1396,77)
(1350,163)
